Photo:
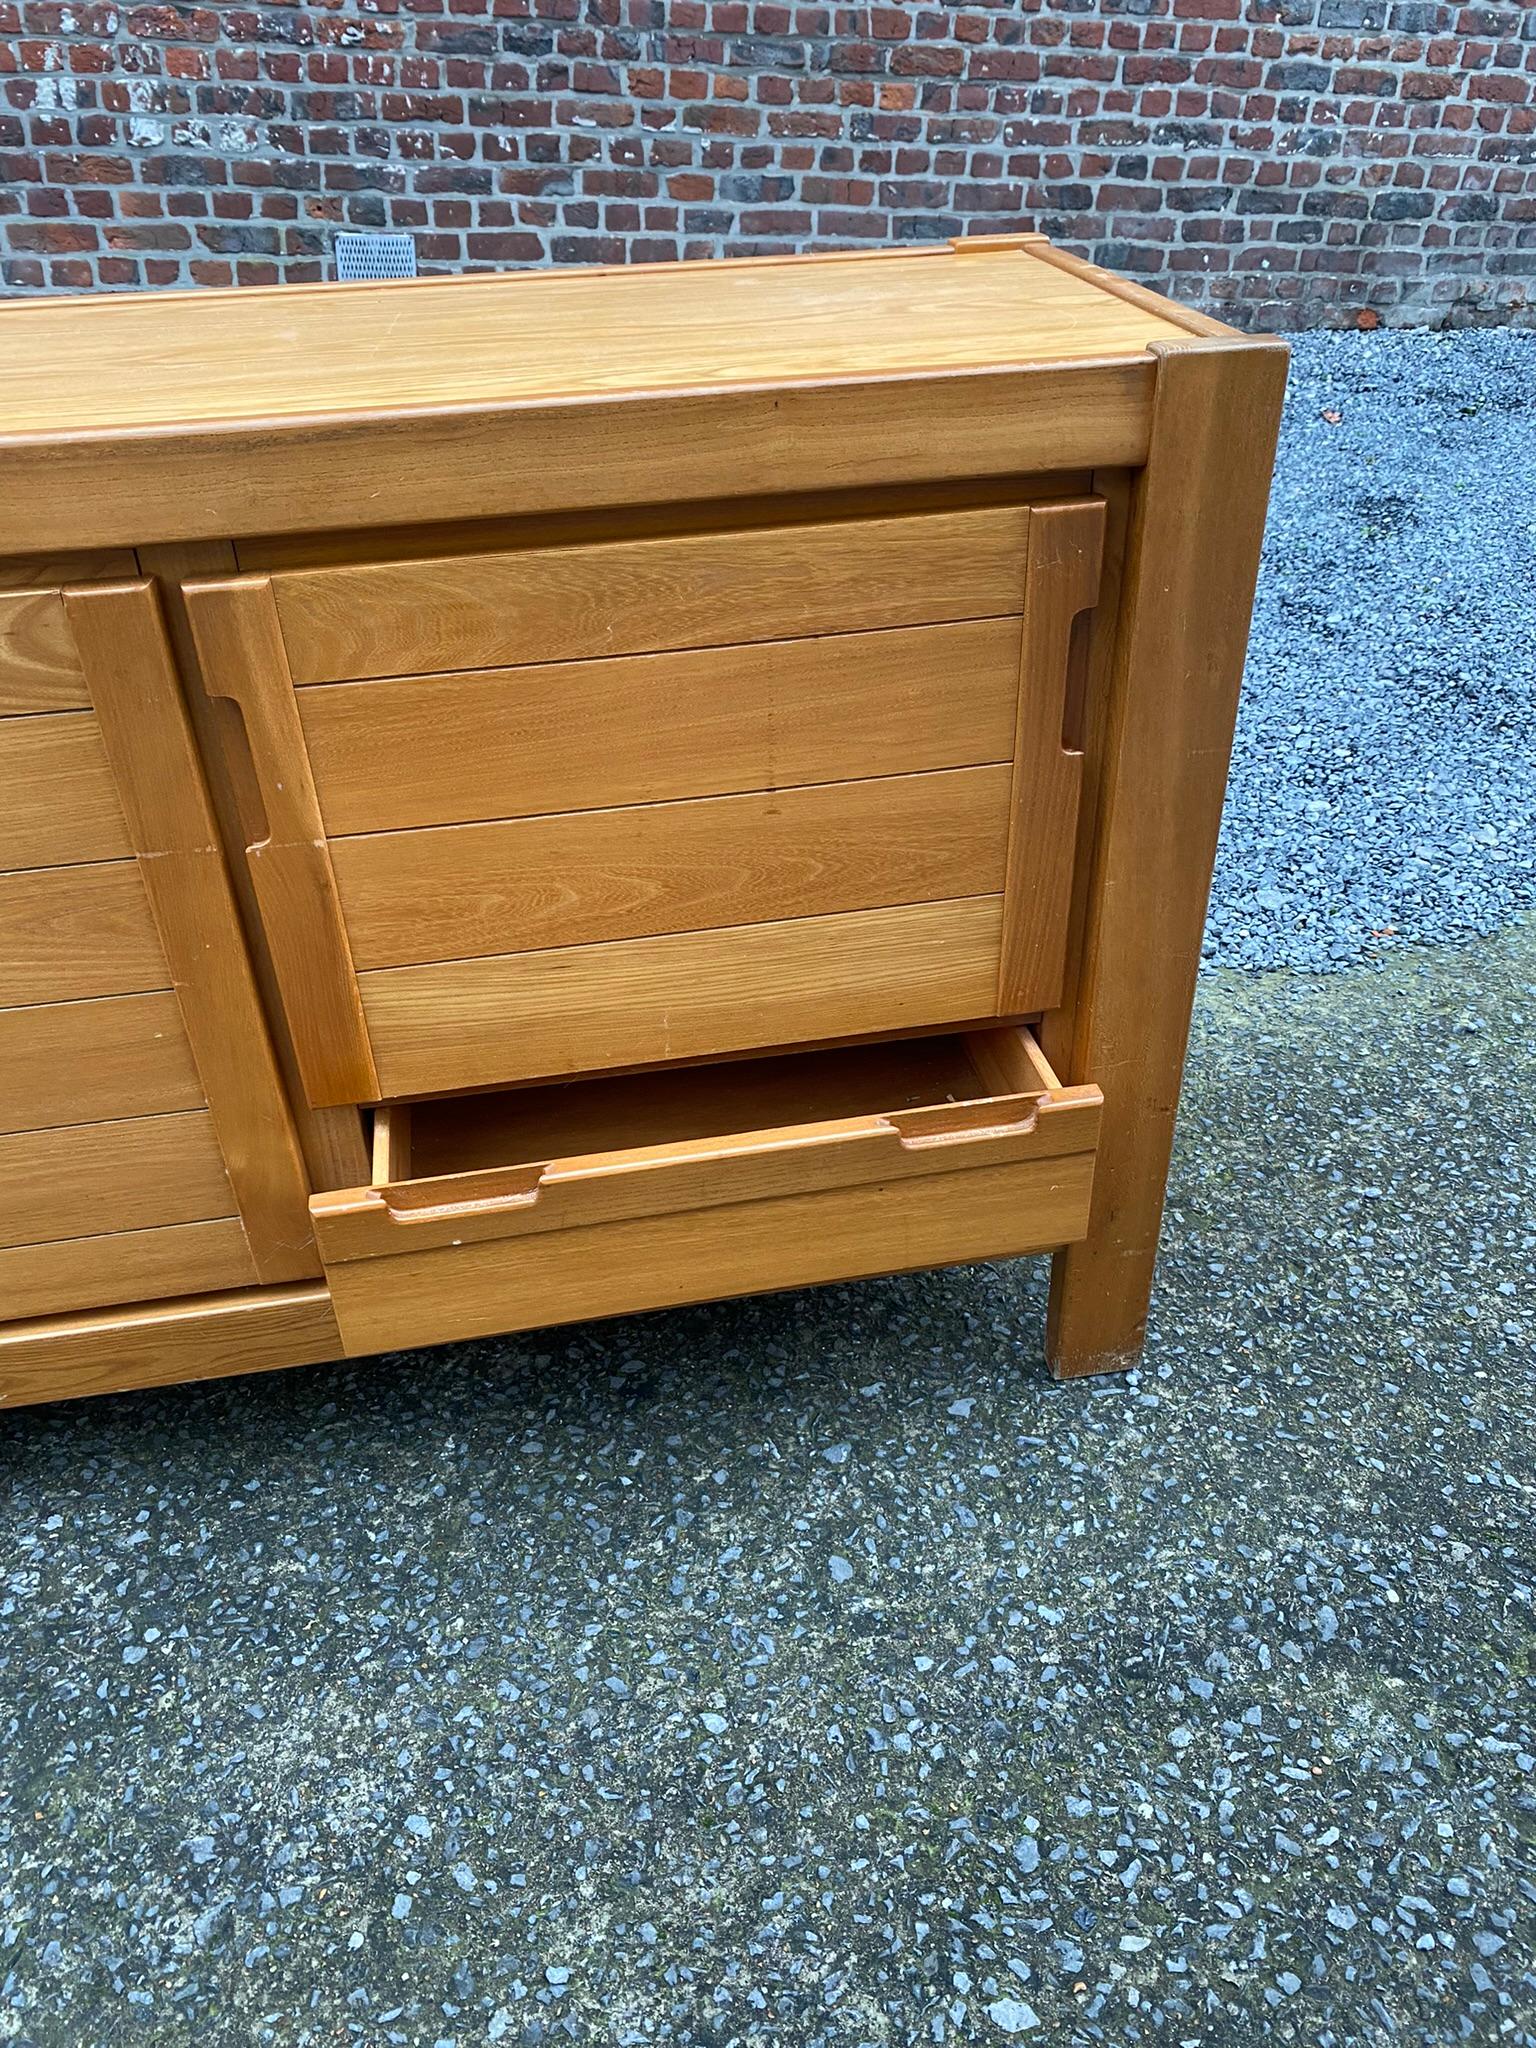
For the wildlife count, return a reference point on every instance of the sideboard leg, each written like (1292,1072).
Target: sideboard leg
(1196,524)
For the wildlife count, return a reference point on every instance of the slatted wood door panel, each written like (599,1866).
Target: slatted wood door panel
(139,1155)
(557,808)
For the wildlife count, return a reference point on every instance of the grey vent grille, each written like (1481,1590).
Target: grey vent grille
(361,258)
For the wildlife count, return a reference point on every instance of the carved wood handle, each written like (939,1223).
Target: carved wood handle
(240,649)
(1066,547)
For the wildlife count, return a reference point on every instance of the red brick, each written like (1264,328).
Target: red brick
(512,131)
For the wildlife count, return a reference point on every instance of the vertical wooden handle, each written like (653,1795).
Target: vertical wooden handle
(1061,582)
(240,649)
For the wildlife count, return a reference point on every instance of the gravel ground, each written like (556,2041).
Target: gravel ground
(1384,778)
(811,1672)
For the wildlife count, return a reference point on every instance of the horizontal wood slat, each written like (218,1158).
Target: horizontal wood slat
(643,596)
(81,1063)
(507,743)
(130,1174)
(472,1023)
(39,669)
(60,1358)
(60,803)
(67,933)
(137,1265)
(707,1254)
(588,876)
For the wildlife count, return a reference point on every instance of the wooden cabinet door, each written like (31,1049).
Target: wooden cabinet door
(548,810)
(146,1149)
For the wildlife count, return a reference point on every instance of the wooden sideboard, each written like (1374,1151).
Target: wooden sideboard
(531,797)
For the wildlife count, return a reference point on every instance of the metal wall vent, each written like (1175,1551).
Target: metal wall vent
(363,258)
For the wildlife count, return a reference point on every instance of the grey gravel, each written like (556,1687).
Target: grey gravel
(1384,777)
(1194,1706)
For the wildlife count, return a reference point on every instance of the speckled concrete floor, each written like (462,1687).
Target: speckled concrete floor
(812,1670)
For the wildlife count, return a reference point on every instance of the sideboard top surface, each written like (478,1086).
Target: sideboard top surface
(153,360)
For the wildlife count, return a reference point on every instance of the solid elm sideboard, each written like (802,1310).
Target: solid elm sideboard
(539,796)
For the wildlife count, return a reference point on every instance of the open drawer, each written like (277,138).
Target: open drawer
(646,1190)
(660,796)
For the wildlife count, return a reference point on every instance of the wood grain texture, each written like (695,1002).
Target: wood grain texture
(756,1164)
(669,1105)
(138,1265)
(331,1140)
(1197,525)
(664,519)
(1066,545)
(80,1063)
(191,481)
(59,805)
(39,670)
(539,337)
(241,653)
(650,596)
(473,1023)
(588,876)
(134,687)
(67,933)
(654,728)
(130,1174)
(207,1337)
(35,572)
(391,1152)
(1177,314)
(709,1254)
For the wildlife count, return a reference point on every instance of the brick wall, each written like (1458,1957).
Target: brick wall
(1283,162)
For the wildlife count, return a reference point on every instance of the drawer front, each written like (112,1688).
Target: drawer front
(556,809)
(711,1254)
(719,1210)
